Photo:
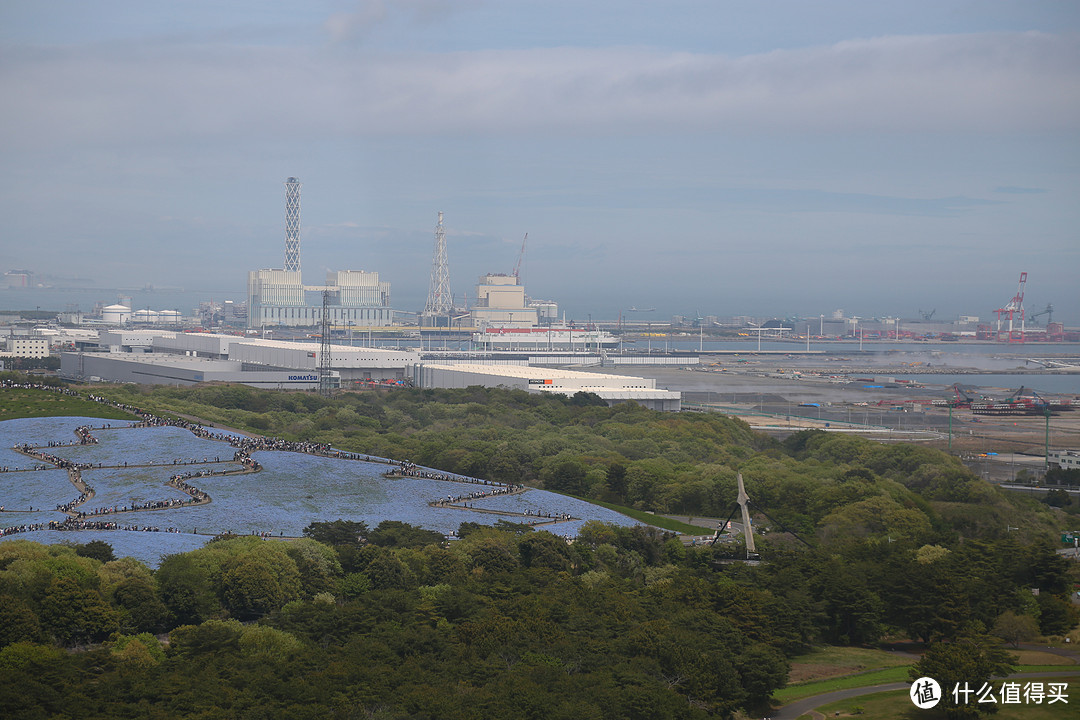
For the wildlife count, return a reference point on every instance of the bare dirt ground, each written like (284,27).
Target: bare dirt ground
(995,446)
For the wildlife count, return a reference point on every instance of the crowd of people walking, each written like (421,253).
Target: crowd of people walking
(28,527)
(77,524)
(244,447)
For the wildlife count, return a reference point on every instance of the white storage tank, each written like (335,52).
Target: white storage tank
(169,317)
(116,314)
(145,316)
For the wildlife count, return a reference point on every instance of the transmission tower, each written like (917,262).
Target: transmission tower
(292,224)
(324,347)
(439,299)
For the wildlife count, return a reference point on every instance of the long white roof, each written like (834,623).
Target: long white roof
(526,372)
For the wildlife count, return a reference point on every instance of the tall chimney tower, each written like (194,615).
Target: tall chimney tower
(292,225)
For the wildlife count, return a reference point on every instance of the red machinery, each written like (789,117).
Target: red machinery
(1014,307)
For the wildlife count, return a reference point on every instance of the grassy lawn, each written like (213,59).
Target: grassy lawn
(895,705)
(27,403)
(792,693)
(829,662)
(874,677)
(1037,657)
(647,518)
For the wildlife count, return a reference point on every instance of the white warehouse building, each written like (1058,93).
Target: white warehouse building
(613,389)
(157,356)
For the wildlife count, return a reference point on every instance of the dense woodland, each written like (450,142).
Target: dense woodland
(897,541)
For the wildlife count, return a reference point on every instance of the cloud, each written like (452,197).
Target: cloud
(1012,190)
(985,83)
(367,15)
(350,26)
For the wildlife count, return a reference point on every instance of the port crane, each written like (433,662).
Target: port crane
(1011,309)
(1048,312)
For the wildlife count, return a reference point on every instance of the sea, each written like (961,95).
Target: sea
(85,298)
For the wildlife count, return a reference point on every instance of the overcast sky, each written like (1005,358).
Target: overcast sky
(712,156)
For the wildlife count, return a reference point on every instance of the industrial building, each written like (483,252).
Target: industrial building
(127,341)
(25,346)
(613,389)
(539,339)
(500,302)
(163,357)
(167,369)
(278,297)
(1065,459)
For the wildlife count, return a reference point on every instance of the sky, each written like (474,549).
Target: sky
(724,157)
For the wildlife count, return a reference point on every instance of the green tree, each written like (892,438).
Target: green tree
(545,550)
(96,549)
(18,622)
(968,662)
(493,556)
(386,572)
(1056,617)
(616,479)
(1015,629)
(250,589)
(762,670)
(186,589)
(140,608)
(75,615)
(1057,497)
(853,609)
(209,638)
(317,564)
(337,532)
(394,533)
(567,476)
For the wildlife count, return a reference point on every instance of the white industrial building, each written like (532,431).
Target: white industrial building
(1065,459)
(538,339)
(613,389)
(180,358)
(124,341)
(66,336)
(352,364)
(500,302)
(165,369)
(25,346)
(278,297)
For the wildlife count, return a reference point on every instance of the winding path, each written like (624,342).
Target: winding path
(245,443)
(808,705)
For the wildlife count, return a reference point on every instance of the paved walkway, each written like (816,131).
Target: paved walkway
(808,705)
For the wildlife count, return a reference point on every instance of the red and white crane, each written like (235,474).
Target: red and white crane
(1011,310)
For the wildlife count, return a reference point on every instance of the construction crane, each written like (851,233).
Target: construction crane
(521,254)
(1014,307)
(927,315)
(1048,312)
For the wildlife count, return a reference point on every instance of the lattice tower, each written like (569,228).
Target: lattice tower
(439,299)
(324,347)
(292,224)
